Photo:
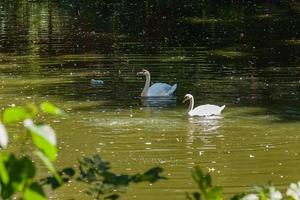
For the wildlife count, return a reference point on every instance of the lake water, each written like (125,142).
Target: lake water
(246,56)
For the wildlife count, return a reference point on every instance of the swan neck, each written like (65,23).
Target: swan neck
(147,85)
(191,106)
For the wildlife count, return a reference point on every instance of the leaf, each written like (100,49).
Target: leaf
(3,172)
(50,166)
(3,136)
(43,137)
(15,174)
(197,195)
(68,171)
(152,175)
(199,177)
(112,197)
(21,171)
(15,114)
(238,196)
(66,174)
(96,172)
(204,182)
(32,110)
(48,107)
(35,191)
(215,193)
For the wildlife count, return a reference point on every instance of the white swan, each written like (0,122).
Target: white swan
(203,110)
(157,89)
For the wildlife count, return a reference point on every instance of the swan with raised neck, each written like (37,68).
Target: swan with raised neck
(191,99)
(147,83)
(157,89)
(202,110)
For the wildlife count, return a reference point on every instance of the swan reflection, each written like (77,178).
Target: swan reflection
(203,128)
(159,102)
(206,124)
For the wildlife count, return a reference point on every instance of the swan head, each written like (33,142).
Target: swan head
(144,72)
(187,97)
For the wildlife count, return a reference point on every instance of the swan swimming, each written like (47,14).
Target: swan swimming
(203,110)
(157,89)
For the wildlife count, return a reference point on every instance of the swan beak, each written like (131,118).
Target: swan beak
(139,73)
(184,100)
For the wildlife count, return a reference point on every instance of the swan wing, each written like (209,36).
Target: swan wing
(161,89)
(172,90)
(206,110)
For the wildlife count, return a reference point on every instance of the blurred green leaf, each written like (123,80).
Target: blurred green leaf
(31,109)
(43,137)
(237,196)
(207,190)
(34,192)
(16,174)
(20,173)
(48,107)
(195,196)
(15,114)
(3,172)
(50,166)
(66,175)
(112,197)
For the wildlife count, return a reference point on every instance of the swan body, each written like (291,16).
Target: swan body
(157,89)
(203,110)
(161,89)
(206,110)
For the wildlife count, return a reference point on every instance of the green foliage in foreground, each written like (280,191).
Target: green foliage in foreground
(104,184)
(207,191)
(17,173)
(17,176)
(267,192)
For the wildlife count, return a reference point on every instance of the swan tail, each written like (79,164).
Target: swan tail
(172,90)
(222,108)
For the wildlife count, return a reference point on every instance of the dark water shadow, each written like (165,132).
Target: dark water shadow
(282,114)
